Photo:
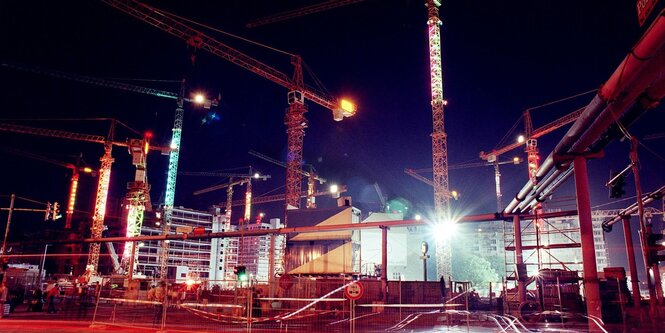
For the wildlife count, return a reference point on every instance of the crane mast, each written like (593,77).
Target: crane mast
(172,174)
(137,201)
(100,205)
(439,144)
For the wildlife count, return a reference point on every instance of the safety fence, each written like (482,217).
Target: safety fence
(297,304)
(320,304)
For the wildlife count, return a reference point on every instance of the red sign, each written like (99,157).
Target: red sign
(286,281)
(644,8)
(353,291)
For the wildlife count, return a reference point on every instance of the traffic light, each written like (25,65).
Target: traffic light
(47,212)
(617,186)
(654,245)
(240,272)
(56,211)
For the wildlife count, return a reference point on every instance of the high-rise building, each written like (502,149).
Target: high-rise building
(186,256)
(255,251)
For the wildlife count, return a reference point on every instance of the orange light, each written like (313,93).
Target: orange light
(199,98)
(72,197)
(87,170)
(348,107)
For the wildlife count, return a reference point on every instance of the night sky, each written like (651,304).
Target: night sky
(500,58)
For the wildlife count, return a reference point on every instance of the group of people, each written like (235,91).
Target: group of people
(60,299)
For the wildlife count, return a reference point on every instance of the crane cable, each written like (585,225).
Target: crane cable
(216,30)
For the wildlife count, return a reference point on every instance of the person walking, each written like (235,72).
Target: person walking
(51,295)
(158,295)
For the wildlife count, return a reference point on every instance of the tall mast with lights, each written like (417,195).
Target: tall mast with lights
(171,176)
(439,144)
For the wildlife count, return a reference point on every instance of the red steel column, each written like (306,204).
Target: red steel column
(591,289)
(519,259)
(632,265)
(384,262)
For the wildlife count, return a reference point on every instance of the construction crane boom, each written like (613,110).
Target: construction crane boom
(284,165)
(311,179)
(160,20)
(280,197)
(92,80)
(298,92)
(214,174)
(569,118)
(315,8)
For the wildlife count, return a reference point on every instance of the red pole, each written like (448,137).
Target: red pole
(632,265)
(645,231)
(384,263)
(590,271)
(519,259)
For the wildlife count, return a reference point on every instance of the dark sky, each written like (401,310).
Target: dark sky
(500,57)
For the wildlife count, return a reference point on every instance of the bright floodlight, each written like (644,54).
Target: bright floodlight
(348,107)
(418,217)
(87,170)
(190,282)
(521,139)
(516,160)
(199,98)
(334,188)
(444,230)
(454,194)
(256,175)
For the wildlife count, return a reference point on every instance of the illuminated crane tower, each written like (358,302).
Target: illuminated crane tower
(171,176)
(439,144)
(100,203)
(137,201)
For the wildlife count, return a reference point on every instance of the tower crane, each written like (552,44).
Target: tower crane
(439,140)
(206,103)
(174,153)
(137,200)
(416,173)
(315,8)
(312,177)
(297,90)
(530,140)
(75,168)
(104,175)
(234,179)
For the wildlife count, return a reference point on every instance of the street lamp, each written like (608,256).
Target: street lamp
(423,249)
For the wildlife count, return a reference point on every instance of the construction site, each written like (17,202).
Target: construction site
(208,209)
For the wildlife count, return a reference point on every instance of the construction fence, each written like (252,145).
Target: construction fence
(296,304)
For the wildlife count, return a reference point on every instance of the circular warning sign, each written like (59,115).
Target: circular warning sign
(354,291)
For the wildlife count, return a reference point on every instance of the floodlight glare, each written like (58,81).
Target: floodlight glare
(199,98)
(521,139)
(444,230)
(418,217)
(334,188)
